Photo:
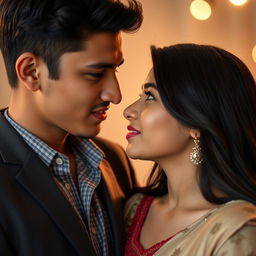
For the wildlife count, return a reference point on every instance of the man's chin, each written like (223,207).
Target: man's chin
(88,134)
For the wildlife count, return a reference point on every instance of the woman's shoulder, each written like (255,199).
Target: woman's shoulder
(234,212)
(229,229)
(230,224)
(241,242)
(229,217)
(236,222)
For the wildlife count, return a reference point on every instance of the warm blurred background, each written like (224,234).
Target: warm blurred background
(231,26)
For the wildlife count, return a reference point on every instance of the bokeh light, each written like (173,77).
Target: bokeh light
(200,9)
(238,2)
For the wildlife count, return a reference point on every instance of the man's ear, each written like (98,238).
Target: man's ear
(195,134)
(27,70)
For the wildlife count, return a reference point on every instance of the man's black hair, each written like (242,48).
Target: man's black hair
(49,28)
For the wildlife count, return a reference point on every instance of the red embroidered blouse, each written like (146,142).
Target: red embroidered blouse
(133,246)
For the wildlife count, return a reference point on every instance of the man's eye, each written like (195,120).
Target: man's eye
(95,75)
(149,95)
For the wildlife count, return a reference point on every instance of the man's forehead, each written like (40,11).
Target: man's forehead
(104,40)
(102,50)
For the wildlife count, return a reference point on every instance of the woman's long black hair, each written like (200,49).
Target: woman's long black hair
(211,90)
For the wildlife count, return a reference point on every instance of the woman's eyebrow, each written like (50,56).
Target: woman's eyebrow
(149,85)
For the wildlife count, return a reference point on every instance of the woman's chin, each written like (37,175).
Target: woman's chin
(135,154)
(130,153)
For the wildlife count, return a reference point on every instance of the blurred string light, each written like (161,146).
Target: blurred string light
(237,2)
(200,9)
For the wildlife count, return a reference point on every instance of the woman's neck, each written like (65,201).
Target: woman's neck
(183,187)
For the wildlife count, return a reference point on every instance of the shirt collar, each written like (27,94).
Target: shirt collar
(86,147)
(88,150)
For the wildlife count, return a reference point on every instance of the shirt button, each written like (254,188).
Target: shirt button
(59,161)
(67,186)
(93,230)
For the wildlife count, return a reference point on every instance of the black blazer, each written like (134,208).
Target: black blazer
(35,217)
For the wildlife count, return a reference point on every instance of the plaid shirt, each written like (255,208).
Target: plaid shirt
(84,200)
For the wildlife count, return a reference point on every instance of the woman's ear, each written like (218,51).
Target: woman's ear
(27,71)
(195,134)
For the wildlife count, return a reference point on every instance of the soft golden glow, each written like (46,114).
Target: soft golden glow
(200,9)
(254,53)
(238,2)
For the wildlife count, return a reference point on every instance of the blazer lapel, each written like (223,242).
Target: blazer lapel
(113,198)
(36,179)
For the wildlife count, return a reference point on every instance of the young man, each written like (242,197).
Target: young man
(62,193)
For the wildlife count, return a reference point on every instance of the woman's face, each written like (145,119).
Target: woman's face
(153,134)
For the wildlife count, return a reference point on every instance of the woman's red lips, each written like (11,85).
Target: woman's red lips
(132,132)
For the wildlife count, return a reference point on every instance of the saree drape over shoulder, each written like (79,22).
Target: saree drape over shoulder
(227,230)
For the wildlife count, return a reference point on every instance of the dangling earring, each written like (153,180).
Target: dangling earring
(195,155)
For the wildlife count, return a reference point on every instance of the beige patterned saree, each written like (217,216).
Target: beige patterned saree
(227,230)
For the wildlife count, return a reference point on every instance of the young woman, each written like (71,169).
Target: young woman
(196,118)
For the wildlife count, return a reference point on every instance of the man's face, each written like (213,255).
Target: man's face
(77,102)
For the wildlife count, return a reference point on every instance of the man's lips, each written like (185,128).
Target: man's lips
(100,113)
(132,132)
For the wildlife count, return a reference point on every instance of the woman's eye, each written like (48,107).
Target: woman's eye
(149,96)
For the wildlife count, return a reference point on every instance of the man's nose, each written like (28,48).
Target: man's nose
(111,91)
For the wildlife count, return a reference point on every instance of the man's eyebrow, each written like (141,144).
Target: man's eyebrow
(148,85)
(104,65)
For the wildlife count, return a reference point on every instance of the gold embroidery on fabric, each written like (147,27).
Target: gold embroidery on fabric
(176,252)
(237,238)
(132,211)
(216,228)
(185,230)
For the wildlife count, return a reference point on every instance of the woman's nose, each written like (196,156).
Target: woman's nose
(131,112)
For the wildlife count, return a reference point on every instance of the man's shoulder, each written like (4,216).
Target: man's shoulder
(117,159)
(114,153)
